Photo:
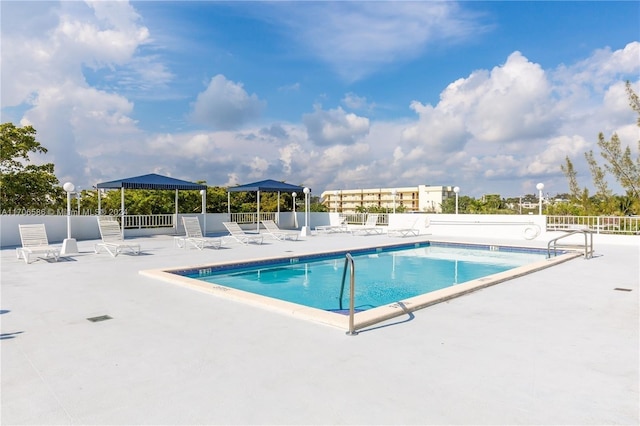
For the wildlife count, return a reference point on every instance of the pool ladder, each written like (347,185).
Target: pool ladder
(348,261)
(588,243)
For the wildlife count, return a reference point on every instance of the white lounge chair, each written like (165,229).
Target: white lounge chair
(337,224)
(35,242)
(239,235)
(273,230)
(112,240)
(404,231)
(370,226)
(194,235)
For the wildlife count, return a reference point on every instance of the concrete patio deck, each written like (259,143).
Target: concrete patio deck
(560,346)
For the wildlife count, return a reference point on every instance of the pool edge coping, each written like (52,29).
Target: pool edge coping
(362,319)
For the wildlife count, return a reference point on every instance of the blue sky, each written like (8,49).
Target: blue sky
(488,96)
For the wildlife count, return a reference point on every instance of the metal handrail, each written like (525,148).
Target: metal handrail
(352,289)
(588,245)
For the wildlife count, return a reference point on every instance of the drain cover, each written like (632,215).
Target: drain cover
(100,318)
(622,289)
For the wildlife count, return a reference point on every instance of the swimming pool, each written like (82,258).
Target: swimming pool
(382,276)
(372,315)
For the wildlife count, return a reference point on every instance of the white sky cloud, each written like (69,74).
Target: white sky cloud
(513,120)
(353,101)
(226,105)
(356,37)
(335,126)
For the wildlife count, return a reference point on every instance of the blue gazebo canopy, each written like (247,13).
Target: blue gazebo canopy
(151,181)
(268,185)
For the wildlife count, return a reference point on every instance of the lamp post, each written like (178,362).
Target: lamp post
(295,215)
(336,193)
(306,230)
(456,189)
(393,195)
(203,194)
(69,245)
(540,187)
(520,206)
(79,197)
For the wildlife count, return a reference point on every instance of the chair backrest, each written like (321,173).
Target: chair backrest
(192,227)
(270,226)
(33,235)
(337,220)
(372,220)
(109,229)
(233,228)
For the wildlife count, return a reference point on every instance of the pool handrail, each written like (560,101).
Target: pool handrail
(588,243)
(348,261)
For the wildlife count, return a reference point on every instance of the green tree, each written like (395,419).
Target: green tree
(619,163)
(217,200)
(315,205)
(25,186)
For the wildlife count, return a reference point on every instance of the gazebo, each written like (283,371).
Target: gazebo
(150,181)
(268,185)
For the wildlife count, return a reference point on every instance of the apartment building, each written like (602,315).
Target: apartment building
(421,198)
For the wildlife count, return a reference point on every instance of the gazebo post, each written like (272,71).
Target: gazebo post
(258,217)
(175,220)
(122,210)
(203,193)
(278,209)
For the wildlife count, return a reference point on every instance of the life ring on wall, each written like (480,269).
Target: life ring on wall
(531,231)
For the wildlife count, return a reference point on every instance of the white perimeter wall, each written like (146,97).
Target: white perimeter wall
(86,227)
(511,227)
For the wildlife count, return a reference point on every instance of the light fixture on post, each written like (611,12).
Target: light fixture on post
(295,215)
(69,245)
(540,187)
(393,194)
(456,189)
(336,193)
(306,230)
(203,194)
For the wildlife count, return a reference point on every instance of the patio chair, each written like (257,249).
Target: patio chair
(239,235)
(337,224)
(112,239)
(35,242)
(404,231)
(370,226)
(273,230)
(194,235)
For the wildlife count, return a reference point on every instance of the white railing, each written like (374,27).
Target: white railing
(597,224)
(149,221)
(245,218)
(361,218)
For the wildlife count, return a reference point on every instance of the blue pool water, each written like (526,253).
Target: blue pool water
(382,276)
